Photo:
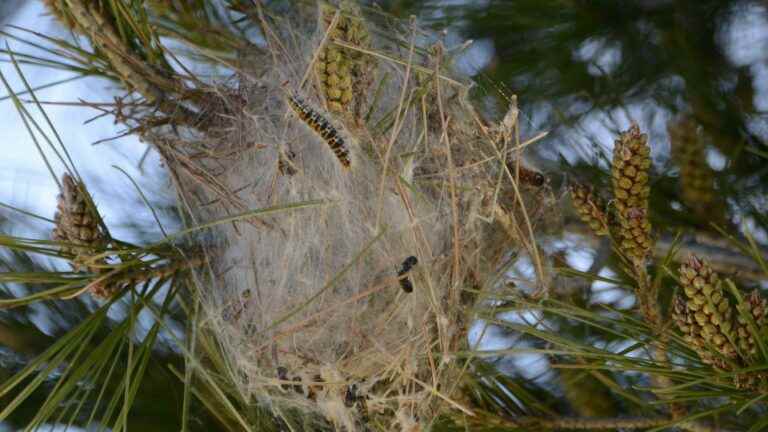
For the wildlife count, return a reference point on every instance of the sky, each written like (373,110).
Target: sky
(26,182)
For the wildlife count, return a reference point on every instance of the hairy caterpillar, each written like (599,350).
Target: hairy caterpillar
(527,175)
(322,127)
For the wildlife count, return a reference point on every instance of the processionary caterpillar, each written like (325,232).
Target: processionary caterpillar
(322,127)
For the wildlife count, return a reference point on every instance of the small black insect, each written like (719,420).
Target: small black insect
(282,373)
(350,397)
(405,282)
(409,263)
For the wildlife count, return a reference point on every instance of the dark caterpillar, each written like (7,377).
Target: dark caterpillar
(322,127)
(298,387)
(352,396)
(405,282)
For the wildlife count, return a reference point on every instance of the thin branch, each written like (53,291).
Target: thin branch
(723,259)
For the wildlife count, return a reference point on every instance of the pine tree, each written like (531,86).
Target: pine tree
(352,215)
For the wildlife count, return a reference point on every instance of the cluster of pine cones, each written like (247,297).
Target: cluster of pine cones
(721,333)
(628,223)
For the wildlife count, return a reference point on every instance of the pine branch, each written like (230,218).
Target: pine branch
(157,83)
(722,258)
(590,423)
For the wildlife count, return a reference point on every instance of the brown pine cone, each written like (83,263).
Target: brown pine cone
(77,224)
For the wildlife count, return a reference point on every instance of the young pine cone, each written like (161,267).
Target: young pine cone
(709,308)
(693,333)
(590,209)
(343,73)
(631,162)
(697,178)
(755,307)
(76,222)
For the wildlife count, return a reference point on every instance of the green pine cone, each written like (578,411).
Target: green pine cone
(590,209)
(710,309)
(344,73)
(631,162)
(697,185)
(754,306)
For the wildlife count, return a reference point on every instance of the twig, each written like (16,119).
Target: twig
(451,182)
(134,71)
(722,259)
(585,423)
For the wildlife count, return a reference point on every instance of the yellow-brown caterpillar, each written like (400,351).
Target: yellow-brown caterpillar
(322,127)
(527,175)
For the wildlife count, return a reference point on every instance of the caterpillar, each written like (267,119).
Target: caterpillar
(405,282)
(322,127)
(527,175)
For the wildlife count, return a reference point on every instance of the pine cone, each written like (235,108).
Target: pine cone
(709,308)
(631,161)
(753,381)
(590,209)
(693,333)
(754,306)
(344,72)
(76,223)
(684,320)
(697,184)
